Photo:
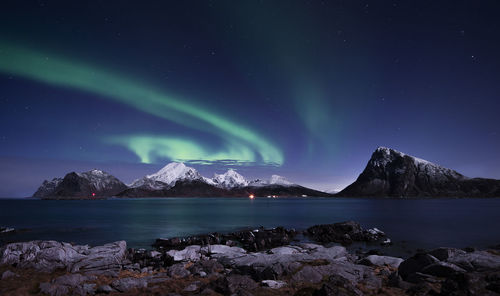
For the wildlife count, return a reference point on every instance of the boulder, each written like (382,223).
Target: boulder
(381,261)
(415,264)
(106,257)
(190,253)
(129,283)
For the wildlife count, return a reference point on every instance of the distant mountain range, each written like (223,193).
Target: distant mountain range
(389,173)
(175,179)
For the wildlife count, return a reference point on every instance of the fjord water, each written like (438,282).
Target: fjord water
(419,223)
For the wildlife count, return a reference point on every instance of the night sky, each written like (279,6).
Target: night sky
(303,89)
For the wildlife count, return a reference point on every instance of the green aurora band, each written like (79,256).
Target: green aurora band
(149,147)
(240,144)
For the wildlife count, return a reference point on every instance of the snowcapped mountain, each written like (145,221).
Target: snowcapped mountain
(279,180)
(385,156)
(173,172)
(168,176)
(176,179)
(229,179)
(94,183)
(392,173)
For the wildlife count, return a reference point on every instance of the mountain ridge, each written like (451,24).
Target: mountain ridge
(174,179)
(391,173)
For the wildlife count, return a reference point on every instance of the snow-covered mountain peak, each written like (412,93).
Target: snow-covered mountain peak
(169,175)
(279,180)
(99,179)
(230,179)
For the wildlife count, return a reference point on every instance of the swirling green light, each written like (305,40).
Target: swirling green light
(69,73)
(151,147)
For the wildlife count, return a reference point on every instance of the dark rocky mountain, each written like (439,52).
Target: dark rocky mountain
(390,173)
(91,184)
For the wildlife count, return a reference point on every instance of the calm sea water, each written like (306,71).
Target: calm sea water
(416,223)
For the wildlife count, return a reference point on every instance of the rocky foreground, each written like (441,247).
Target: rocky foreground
(256,262)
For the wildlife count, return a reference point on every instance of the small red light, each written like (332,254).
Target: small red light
(93,194)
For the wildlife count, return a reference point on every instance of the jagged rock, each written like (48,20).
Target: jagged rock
(381,261)
(251,240)
(129,283)
(343,232)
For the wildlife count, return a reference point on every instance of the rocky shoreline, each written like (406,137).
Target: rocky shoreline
(250,262)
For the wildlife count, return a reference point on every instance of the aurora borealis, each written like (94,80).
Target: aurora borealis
(242,144)
(304,89)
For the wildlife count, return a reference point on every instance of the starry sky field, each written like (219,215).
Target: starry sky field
(303,89)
